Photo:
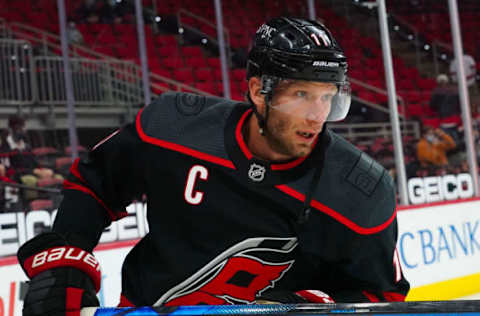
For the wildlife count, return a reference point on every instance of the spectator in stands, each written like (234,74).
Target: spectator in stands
(445,102)
(27,170)
(444,99)
(86,9)
(470,68)
(74,36)
(433,146)
(93,18)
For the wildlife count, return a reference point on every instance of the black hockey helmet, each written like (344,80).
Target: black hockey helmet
(300,49)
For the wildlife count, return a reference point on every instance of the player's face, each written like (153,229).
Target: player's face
(296,116)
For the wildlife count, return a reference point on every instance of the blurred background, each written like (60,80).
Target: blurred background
(182,50)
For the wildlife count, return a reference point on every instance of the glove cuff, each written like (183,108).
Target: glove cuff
(55,253)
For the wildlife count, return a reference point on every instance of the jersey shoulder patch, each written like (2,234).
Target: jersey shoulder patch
(356,187)
(365,174)
(358,168)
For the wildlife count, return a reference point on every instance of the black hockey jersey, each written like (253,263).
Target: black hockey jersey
(225,226)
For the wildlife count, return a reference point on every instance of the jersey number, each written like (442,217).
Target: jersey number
(191,195)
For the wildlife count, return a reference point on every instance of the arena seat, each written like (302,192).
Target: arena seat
(41,204)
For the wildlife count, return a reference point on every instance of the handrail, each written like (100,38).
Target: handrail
(381,91)
(23,186)
(179,86)
(380,129)
(42,37)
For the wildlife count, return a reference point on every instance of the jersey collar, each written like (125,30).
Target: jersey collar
(258,171)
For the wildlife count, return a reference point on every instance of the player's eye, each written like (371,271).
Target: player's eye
(301,94)
(327,97)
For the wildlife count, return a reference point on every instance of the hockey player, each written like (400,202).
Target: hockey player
(247,203)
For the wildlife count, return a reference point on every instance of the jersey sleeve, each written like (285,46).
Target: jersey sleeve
(99,187)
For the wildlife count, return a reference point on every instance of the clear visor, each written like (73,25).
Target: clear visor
(314,102)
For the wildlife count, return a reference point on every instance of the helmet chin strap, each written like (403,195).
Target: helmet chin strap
(268,84)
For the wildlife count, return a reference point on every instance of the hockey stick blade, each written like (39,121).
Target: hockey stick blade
(470,307)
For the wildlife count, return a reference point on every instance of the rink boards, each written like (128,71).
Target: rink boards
(438,249)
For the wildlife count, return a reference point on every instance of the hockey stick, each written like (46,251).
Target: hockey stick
(393,308)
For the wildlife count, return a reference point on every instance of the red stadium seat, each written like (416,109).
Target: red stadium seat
(49,182)
(160,87)
(173,62)
(124,29)
(184,75)
(168,51)
(163,72)
(204,74)
(166,40)
(217,74)
(239,74)
(191,51)
(41,204)
(207,87)
(197,62)
(434,122)
(213,62)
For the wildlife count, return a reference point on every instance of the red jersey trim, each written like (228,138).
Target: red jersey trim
(394,297)
(74,170)
(248,154)
(180,148)
(74,186)
(335,215)
(124,302)
(239,136)
(372,297)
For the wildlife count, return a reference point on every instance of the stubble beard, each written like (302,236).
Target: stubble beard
(276,133)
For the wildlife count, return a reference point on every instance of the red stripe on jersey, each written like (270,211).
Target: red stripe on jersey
(394,297)
(239,136)
(74,186)
(371,296)
(74,170)
(179,148)
(337,216)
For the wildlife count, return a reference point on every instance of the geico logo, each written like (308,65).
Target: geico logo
(64,253)
(433,189)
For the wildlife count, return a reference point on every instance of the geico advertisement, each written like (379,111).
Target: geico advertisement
(438,243)
(16,228)
(12,287)
(442,188)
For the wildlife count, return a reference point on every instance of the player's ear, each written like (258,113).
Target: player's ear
(254,88)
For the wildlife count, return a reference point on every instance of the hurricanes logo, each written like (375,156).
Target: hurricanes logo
(237,276)
(256,172)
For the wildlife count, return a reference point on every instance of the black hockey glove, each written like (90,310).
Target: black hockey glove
(63,278)
(287,297)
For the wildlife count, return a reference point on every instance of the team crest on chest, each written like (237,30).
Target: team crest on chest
(256,172)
